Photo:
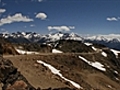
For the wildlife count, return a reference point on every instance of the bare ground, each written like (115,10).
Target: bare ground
(40,76)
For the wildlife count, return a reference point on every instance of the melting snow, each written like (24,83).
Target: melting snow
(94,48)
(115,52)
(116,72)
(88,44)
(108,66)
(117,79)
(57,72)
(94,64)
(104,54)
(109,86)
(56,51)
(56,44)
(26,52)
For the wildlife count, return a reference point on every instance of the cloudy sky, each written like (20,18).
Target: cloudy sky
(45,16)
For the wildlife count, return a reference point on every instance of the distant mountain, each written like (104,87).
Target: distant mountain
(27,37)
(111,40)
(107,38)
(22,37)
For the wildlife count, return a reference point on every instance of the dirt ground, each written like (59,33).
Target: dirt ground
(40,76)
(35,73)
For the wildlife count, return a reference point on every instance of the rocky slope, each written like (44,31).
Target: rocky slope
(11,78)
(7,48)
(90,66)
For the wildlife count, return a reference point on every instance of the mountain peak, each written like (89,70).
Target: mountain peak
(110,40)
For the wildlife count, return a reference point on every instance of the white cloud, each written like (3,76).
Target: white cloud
(40,0)
(61,28)
(72,27)
(42,16)
(2,10)
(112,19)
(15,18)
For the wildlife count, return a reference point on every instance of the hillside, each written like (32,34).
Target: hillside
(7,48)
(79,66)
(71,46)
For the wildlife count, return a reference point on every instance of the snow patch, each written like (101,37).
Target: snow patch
(109,86)
(56,44)
(94,64)
(104,54)
(56,51)
(49,44)
(26,52)
(94,48)
(88,44)
(116,72)
(117,79)
(57,72)
(108,66)
(115,52)
(23,33)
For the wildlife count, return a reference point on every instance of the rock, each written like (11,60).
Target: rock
(1,49)
(21,85)
(11,78)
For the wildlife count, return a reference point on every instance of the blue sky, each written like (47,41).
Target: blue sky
(44,16)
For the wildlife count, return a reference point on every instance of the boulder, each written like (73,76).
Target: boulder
(11,78)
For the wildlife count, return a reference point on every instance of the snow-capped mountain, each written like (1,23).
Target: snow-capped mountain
(25,36)
(72,36)
(111,40)
(65,36)
(38,38)
(107,38)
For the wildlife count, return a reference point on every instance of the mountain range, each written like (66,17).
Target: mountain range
(63,62)
(111,40)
